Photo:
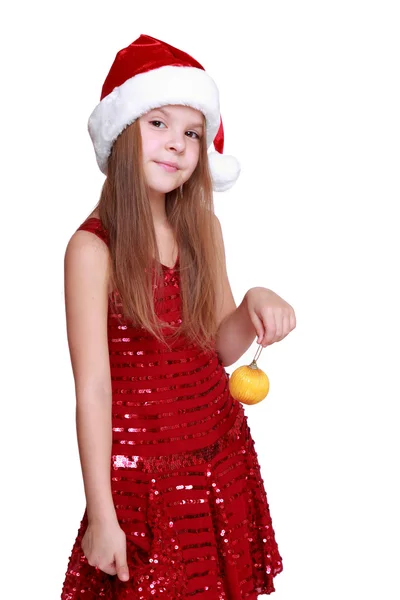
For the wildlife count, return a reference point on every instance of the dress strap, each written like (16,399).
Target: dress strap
(94,225)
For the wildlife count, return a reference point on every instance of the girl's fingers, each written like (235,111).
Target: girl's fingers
(121,565)
(285,327)
(258,326)
(292,320)
(270,327)
(110,569)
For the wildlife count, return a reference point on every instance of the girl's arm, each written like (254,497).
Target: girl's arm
(236,332)
(86,270)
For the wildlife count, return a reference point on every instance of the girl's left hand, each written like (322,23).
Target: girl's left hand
(272,317)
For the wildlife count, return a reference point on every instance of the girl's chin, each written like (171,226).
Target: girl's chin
(163,189)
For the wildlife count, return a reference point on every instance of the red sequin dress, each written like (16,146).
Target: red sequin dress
(185,476)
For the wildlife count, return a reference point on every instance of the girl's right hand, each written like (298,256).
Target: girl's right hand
(104,545)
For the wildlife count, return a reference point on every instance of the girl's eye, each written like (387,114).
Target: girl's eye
(192,132)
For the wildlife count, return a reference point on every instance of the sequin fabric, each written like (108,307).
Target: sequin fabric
(185,476)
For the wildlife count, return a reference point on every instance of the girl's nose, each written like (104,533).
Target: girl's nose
(177,142)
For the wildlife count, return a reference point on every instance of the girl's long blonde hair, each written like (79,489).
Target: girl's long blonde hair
(125,213)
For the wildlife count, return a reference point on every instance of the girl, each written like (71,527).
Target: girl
(175,503)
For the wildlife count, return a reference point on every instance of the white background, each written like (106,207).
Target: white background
(310,101)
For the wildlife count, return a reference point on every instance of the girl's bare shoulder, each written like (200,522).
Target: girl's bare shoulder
(94,214)
(87,254)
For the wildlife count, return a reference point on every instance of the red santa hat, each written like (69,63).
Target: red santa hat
(148,74)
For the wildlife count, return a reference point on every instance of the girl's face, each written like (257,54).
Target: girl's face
(170,134)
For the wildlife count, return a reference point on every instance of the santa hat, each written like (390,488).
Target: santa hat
(148,74)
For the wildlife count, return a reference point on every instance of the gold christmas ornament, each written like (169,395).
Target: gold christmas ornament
(249,384)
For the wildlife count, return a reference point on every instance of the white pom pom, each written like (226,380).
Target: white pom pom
(224,170)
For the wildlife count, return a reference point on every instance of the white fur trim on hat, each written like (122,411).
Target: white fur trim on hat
(188,86)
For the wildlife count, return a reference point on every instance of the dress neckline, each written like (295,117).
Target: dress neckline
(162,264)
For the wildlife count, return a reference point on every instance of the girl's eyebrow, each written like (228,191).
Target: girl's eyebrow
(168,114)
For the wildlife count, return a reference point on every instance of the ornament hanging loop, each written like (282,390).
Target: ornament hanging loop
(257,355)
